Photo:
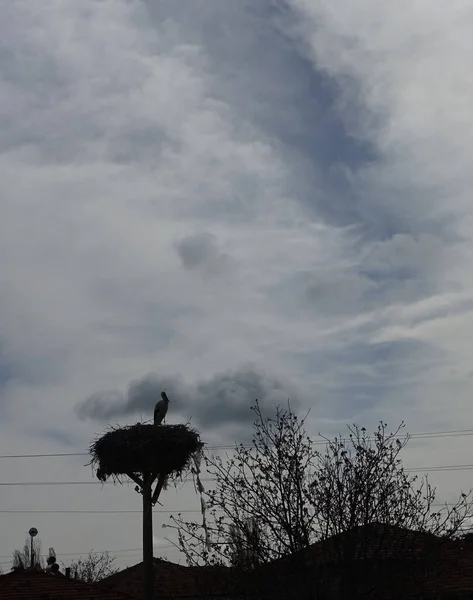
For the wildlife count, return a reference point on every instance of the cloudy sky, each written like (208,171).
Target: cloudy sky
(228,200)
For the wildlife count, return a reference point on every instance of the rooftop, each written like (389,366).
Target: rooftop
(37,585)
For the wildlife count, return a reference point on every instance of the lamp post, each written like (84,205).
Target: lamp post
(33,532)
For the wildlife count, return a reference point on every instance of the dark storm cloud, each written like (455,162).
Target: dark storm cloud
(141,396)
(227,397)
(201,251)
(101,405)
(223,399)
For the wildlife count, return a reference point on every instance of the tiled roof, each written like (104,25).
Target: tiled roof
(375,541)
(37,585)
(413,565)
(395,562)
(450,573)
(174,581)
(401,563)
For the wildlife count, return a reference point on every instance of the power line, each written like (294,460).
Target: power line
(435,468)
(442,468)
(67,454)
(21,483)
(418,435)
(87,512)
(53,483)
(87,552)
(114,512)
(119,553)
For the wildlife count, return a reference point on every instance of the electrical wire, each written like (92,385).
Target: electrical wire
(115,512)
(435,468)
(95,552)
(88,512)
(418,435)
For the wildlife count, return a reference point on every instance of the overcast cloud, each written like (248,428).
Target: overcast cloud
(242,199)
(222,400)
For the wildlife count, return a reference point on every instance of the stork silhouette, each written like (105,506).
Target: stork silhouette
(161,409)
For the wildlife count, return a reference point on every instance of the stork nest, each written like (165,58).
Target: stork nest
(161,449)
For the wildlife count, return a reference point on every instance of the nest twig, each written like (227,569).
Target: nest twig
(162,450)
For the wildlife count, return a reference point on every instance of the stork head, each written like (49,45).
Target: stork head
(164,397)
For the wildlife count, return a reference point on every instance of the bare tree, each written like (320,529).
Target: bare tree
(268,483)
(370,507)
(94,567)
(360,479)
(295,496)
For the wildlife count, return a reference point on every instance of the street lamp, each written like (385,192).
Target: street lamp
(33,532)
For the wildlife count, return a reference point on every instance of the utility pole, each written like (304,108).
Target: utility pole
(149,500)
(148,566)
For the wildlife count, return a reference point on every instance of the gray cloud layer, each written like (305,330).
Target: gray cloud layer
(223,399)
(200,251)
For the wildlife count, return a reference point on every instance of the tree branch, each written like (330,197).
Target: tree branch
(138,480)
